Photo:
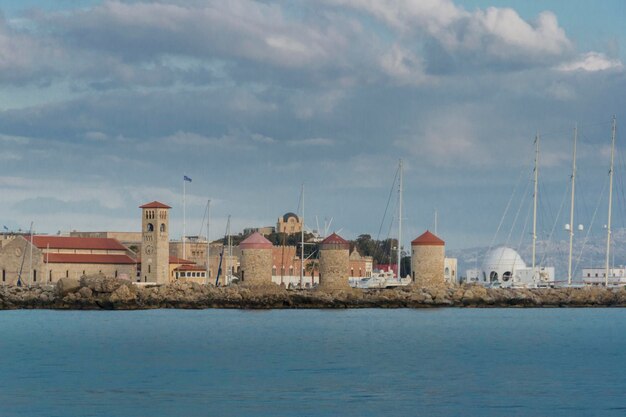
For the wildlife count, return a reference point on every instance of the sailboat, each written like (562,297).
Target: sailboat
(387,279)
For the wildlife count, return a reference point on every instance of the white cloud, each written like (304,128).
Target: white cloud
(592,62)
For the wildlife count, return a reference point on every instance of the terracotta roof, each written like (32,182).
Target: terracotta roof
(334,238)
(155,204)
(79,258)
(64,242)
(427,239)
(256,241)
(190,268)
(336,241)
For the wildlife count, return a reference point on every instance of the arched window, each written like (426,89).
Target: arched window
(447,271)
(506,276)
(150,227)
(162,227)
(493,276)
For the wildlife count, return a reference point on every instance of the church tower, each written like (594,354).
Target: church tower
(155,245)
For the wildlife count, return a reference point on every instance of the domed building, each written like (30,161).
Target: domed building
(504,267)
(290,223)
(501,263)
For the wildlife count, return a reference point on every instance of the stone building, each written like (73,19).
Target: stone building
(55,257)
(427,260)
(256,260)
(360,266)
(155,243)
(334,263)
(290,223)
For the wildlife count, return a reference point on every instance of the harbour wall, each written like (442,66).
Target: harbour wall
(98,292)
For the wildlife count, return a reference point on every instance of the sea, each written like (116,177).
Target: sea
(369,362)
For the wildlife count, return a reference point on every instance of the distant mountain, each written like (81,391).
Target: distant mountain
(555,254)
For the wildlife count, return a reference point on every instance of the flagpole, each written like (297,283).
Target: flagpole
(208,242)
(184,216)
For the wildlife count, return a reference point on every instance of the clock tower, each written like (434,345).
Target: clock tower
(155,244)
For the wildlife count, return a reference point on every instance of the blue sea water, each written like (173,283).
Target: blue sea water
(434,362)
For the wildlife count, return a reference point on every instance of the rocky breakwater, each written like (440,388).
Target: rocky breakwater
(99,292)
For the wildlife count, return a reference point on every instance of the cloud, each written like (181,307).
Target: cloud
(491,38)
(311,142)
(591,62)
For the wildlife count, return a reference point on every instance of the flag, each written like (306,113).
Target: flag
(186,178)
(6,228)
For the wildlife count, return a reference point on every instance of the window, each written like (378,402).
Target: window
(506,276)
(150,227)
(35,276)
(4,275)
(493,276)
(447,271)
(116,273)
(162,228)
(67,274)
(148,268)
(50,276)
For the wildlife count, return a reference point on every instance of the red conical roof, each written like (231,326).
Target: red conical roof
(256,241)
(155,204)
(335,241)
(428,239)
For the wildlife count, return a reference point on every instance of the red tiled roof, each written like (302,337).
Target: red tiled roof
(256,241)
(427,239)
(336,242)
(79,258)
(64,242)
(190,268)
(334,238)
(155,204)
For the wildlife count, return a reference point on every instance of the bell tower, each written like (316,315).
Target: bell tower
(155,244)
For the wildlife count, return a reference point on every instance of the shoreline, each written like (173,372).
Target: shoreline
(101,293)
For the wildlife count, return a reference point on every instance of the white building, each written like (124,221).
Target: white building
(504,267)
(596,276)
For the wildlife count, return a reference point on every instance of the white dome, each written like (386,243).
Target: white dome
(501,263)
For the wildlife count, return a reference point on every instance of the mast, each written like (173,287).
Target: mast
(399,252)
(30,267)
(184,215)
(535,202)
(608,225)
(436,221)
(302,239)
(571,210)
(208,242)
(229,253)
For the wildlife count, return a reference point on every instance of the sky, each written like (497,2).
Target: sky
(105,105)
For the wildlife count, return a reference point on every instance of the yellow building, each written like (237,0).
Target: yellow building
(290,223)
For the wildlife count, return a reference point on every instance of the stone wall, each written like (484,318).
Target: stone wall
(334,269)
(256,267)
(427,265)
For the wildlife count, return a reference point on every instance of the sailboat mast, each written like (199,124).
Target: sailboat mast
(399,252)
(571,211)
(302,240)
(608,224)
(535,202)
(208,242)
(228,275)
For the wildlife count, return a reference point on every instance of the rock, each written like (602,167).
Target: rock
(122,294)
(66,285)
(100,283)
(85,292)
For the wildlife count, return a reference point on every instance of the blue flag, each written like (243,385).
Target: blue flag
(6,228)
(186,178)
